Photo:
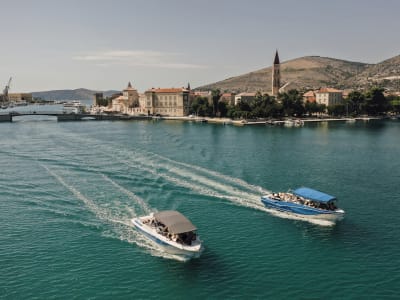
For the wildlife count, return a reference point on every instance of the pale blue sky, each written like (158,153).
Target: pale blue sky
(51,44)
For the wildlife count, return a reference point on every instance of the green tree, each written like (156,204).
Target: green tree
(216,95)
(337,110)
(376,102)
(222,108)
(200,107)
(292,102)
(311,108)
(356,103)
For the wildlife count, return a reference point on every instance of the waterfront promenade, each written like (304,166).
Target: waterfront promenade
(8,117)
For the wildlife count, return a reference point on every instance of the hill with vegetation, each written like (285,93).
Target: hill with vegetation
(77,94)
(313,72)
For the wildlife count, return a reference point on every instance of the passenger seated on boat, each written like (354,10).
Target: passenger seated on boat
(332,206)
(189,238)
(323,206)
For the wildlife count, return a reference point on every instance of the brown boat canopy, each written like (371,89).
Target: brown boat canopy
(175,221)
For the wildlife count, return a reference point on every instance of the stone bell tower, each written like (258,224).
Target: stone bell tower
(276,75)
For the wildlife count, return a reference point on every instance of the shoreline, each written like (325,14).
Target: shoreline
(243,122)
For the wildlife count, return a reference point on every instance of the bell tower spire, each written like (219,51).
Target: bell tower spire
(276,75)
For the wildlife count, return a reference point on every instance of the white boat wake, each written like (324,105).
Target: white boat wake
(121,227)
(194,178)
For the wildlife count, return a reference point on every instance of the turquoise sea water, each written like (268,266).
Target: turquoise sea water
(68,191)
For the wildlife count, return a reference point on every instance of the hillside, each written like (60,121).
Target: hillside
(312,72)
(77,94)
(386,74)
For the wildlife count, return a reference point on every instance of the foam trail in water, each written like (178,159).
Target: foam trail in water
(124,232)
(237,181)
(131,195)
(187,176)
(196,187)
(199,180)
(151,160)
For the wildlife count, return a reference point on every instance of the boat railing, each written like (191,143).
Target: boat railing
(292,198)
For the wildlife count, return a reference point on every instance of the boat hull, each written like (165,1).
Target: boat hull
(167,244)
(303,211)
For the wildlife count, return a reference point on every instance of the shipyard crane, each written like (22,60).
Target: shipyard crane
(5,91)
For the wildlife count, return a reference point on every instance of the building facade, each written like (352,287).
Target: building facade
(309,97)
(244,97)
(20,97)
(329,96)
(127,102)
(228,98)
(97,98)
(172,102)
(203,94)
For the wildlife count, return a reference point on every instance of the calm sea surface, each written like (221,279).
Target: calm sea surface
(69,190)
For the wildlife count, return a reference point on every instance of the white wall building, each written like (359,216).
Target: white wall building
(329,96)
(172,102)
(244,97)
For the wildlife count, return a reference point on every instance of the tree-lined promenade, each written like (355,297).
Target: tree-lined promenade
(291,104)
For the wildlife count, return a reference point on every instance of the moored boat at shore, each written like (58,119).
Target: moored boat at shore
(172,231)
(305,203)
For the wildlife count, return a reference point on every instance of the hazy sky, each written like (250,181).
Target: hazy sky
(99,44)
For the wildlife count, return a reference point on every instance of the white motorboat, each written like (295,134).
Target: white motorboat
(172,231)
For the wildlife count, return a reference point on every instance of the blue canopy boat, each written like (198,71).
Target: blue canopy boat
(306,203)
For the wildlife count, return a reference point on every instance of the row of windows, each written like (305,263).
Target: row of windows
(159,103)
(165,110)
(167,97)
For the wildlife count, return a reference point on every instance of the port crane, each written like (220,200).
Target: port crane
(6,89)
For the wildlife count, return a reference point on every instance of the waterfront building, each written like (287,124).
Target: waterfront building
(309,97)
(276,75)
(329,96)
(346,92)
(172,102)
(20,97)
(97,98)
(228,98)
(203,94)
(127,101)
(244,97)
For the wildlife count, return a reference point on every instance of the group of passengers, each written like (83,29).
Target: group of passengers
(182,238)
(288,197)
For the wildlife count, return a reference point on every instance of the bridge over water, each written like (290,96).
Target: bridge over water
(8,117)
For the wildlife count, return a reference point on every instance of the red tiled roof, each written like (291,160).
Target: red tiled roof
(328,90)
(246,94)
(309,94)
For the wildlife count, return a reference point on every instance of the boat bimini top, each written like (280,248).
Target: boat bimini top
(313,195)
(175,221)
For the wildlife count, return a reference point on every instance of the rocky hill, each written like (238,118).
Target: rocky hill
(313,72)
(385,74)
(77,94)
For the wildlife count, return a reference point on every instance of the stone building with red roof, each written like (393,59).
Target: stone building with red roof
(172,102)
(329,96)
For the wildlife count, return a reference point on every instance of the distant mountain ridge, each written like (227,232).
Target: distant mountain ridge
(76,94)
(313,72)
